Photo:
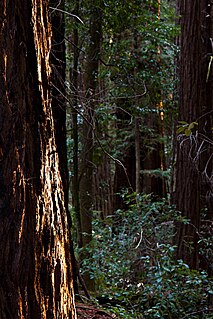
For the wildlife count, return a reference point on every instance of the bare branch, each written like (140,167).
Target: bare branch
(66,12)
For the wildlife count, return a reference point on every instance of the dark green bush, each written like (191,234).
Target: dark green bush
(134,268)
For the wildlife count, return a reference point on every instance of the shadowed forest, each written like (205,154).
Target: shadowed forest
(106,159)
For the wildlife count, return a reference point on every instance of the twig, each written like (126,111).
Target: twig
(196,312)
(66,12)
(80,306)
(97,139)
(141,237)
(81,280)
(99,311)
(103,313)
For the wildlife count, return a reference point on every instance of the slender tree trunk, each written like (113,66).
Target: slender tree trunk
(87,140)
(137,157)
(75,132)
(124,177)
(91,74)
(103,187)
(35,263)
(152,159)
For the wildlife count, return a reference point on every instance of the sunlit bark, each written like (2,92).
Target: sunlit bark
(35,264)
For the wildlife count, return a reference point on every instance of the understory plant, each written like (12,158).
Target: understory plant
(134,268)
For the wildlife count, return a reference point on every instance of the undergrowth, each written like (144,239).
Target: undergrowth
(134,268)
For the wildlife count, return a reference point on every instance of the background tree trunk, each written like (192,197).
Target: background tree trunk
(59,99)
(74,78)
(58,91)
(195,104)
(87,137)
(35,263)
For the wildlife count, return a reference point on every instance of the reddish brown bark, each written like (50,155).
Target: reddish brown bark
(35,264)
(195,103)
(87,138)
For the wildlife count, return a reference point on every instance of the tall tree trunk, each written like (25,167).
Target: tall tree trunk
(75,132)
(58,91)
(35,263)
(195,104)
(137,157)
(58,95)
(87,140)
(152,159)
(103,187)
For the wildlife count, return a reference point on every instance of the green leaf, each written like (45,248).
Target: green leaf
(180,129)
(192,125)
(183,122)
(187,132)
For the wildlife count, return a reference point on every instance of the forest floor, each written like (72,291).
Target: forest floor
(85,311)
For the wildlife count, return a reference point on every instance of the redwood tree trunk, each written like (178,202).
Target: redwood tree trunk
(195,104)
(35,263)
(74,78)
(58,90)
(87,138)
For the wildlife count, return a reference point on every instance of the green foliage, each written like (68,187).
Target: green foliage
(140,44)
(134,268)
(186,128)
(138,47)
(175,291)
(136,72)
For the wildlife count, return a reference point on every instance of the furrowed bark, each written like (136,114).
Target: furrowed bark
(35,264)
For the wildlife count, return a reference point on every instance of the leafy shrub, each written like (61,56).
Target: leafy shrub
(134,268)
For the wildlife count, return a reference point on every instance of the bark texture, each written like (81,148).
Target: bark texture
(87,139)
(58,90)
(194,157)
(74,78)
(35,264)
